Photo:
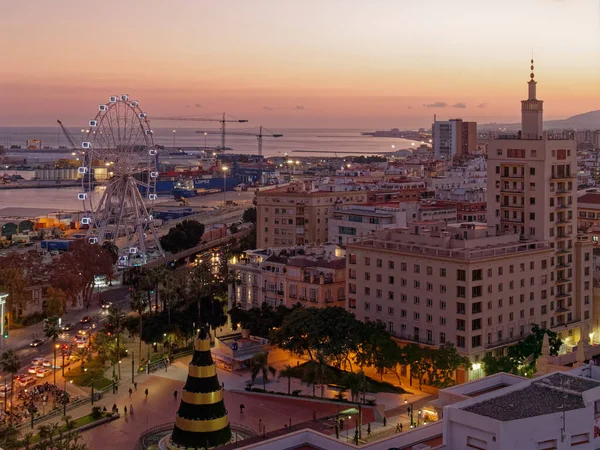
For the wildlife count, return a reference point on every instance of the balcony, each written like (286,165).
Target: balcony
(562,176)
(563,280)
(562,295)
(513,205)
(513,190)
(503,342)
(563,265)
(563,206)
(513,175)
(512,220)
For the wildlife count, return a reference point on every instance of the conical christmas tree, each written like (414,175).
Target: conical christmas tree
(201,420)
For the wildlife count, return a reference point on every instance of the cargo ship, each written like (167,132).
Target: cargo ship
(192,183)
(398,133)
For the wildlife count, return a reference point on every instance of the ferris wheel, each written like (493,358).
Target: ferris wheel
(121,149)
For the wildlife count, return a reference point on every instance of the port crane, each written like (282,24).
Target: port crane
(253,132)
(226,118)
(68,136)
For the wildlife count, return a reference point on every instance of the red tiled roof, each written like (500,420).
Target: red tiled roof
(590,197)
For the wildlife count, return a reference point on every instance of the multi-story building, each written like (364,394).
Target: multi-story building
(350,222)
(532,192)
(295,215)
(588,215)
(315,276)
(464,284)
(454,137)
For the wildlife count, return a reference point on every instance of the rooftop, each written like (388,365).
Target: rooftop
(548,395)
(590,197)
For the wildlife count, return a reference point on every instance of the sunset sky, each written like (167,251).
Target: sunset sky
(302,63)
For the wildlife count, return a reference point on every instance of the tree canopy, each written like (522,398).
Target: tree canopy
(184,235)
(250,215)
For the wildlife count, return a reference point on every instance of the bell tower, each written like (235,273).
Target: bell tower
(532,112)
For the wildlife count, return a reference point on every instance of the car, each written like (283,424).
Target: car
(46,363)
(86,319)
(32,369)
(106,305)
(67,327)
(25,380)
(36,342)
(37,361)
(43,372)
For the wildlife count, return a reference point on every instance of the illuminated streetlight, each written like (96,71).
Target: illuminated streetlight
(205,133)
(224,169)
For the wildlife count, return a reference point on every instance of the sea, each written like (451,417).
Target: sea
(295,143)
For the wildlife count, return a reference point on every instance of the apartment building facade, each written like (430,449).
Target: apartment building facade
(312,276)
(293,215)
(350,222)
(532,192)
(465,285)
(453,137)
(588,215)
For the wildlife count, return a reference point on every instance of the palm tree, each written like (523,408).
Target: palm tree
(10,363)
(139,305)
(260,364)
(83,354)
(355,383)
(318,372)
(52,331)
(115,323)
(287,372)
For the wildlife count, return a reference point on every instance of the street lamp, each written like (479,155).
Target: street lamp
(174,132)
(4,332)
(224,169)
(205,133)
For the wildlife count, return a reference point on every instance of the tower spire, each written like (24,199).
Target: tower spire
(532,110)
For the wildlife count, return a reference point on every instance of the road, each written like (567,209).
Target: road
(21,339)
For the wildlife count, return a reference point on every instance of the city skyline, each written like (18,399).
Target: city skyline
(349,65)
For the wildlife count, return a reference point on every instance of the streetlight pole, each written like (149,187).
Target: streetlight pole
(224,185)
(132,367)
(174,132)
(3,298)
(205,133)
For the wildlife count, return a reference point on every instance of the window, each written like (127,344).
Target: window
(476,291)
(460,308)
(367,306)
(402,313)
(442,321)
(547,445)
(532,170)
(477,275)
(390,264)
(430,286)
(367,291)
(429,270)
(442,338)
(476,341)
(378,293)
(442,272)
(476,324)
(429,318)
(379,278)
(417,300)
(442,288)
(429,302)
(442,304)
(417,316)
(417,268)
(461,291)
(500,270)
(390,310)
(402,267)
(578,439)
(460,324)
(461,275)
(532,200)
(417,284)
(476,308)
(391,280)
(378,308)
(367,276)
(460,341)
(476,443)
(390,295)
(367,261)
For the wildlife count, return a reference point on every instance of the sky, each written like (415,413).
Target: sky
(309,63)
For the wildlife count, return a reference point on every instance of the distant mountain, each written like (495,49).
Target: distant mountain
(590,119)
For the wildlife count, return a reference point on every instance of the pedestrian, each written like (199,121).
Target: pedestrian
(337,432)
(135,385)
(130,392)
(242,409)
(146,392)
(368,428)
(259,425)
(384,421)
(314,415)
(175,394)
(131,409)
(114,408)
(398,429)
(125,409)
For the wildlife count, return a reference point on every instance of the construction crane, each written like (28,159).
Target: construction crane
(222,120)
(252,132)
(68,136)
